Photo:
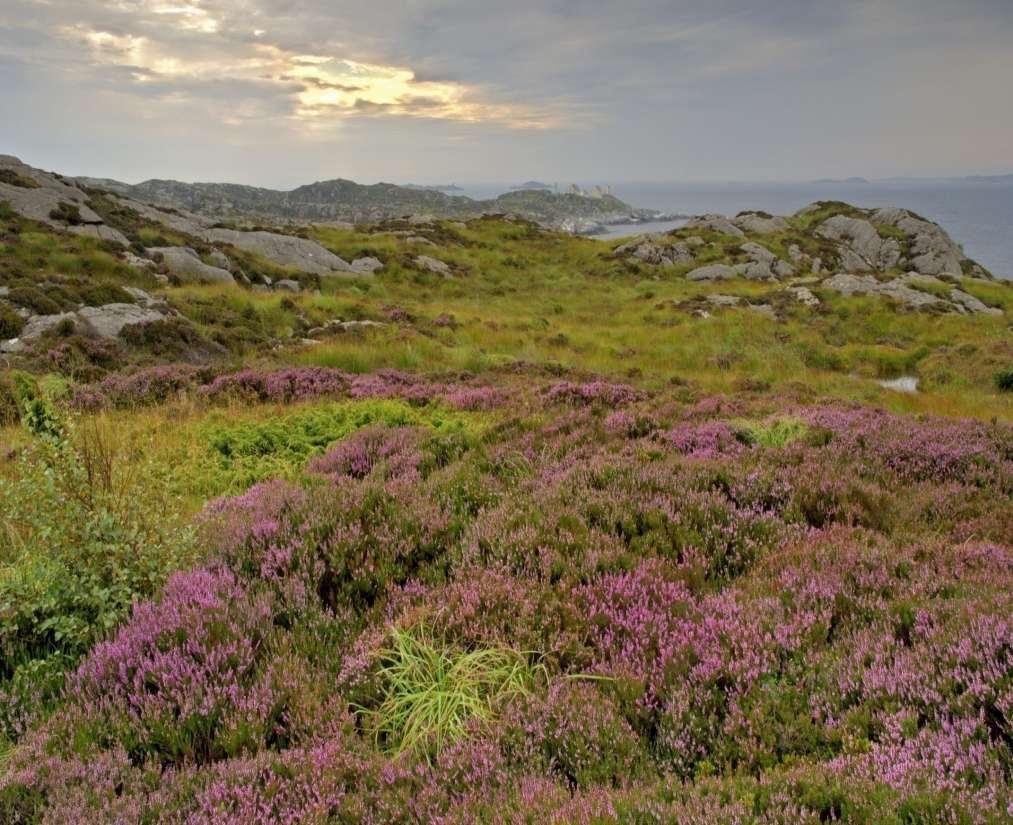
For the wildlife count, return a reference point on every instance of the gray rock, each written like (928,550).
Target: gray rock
(220,259)
(100,231)
(764,265)
(366,266)
(724,300)
(861,247)
(39,325)
(931,250)
(4,291)
(336,326)
(137,262)
(146,300)
(288,285)
(762,309)
(972,304)
(433,265)
(896,289)
(804,296)
(760,224)
(713,272)
(647,249)
(285,250)
(694,241)
(47,194)
(178,219)
(107,321)
(716,223)
(185,264)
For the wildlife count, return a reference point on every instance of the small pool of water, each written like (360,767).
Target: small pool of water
(906,383)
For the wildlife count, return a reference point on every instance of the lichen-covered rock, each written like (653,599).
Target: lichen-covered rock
(108,321)
(433,265)
(758,223)
(185,264)
(714,272)
(46,198)
(651,250)
(931,251)
(804,296)
(716,223)
(366,266)
(288,285)
(896,289)
(972,304)
(285,250)
(862,248)
(764,265)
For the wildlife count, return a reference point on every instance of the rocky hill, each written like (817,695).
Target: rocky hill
(345,200)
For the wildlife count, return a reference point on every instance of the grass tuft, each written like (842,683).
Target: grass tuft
(434,692)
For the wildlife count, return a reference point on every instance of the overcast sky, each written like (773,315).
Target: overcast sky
(283,92)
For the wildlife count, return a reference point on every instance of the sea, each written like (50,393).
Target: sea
(978,215)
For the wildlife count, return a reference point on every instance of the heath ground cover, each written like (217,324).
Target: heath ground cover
(512,600)
(555,539)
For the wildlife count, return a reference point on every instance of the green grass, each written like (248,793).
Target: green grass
(433,692)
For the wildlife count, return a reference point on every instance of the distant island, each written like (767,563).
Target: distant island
(840,180)
(448,189)
(531,184)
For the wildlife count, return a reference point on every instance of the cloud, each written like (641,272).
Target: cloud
(537,88)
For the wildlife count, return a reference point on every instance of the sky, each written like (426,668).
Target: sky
(284,92)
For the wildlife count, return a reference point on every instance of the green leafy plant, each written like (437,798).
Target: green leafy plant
(1004,380)
(778,433)
(433,692)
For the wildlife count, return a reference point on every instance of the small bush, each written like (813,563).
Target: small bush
(33,299)
(12,178)
(11,323)
(101,294)
(68,213)
(1004,380)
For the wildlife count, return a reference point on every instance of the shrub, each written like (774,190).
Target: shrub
(13,178)
(101,294)
(33,299)
(1004,380)
(11,323)
(68,213)
(85,536)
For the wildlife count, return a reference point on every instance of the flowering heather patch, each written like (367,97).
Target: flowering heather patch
(593,392)
(592,615)
(293,384)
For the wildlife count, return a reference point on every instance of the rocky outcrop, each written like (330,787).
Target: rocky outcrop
(105,321)
(185,264)
(650,249)
(714,272)
(284,250)
(108,321)
(716,223)
(972,304)
(433,265)
(803,295)
(763,264)
(862,248)
(931,250)
(46,198)
(366,266)
(759,223)
(900,290)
